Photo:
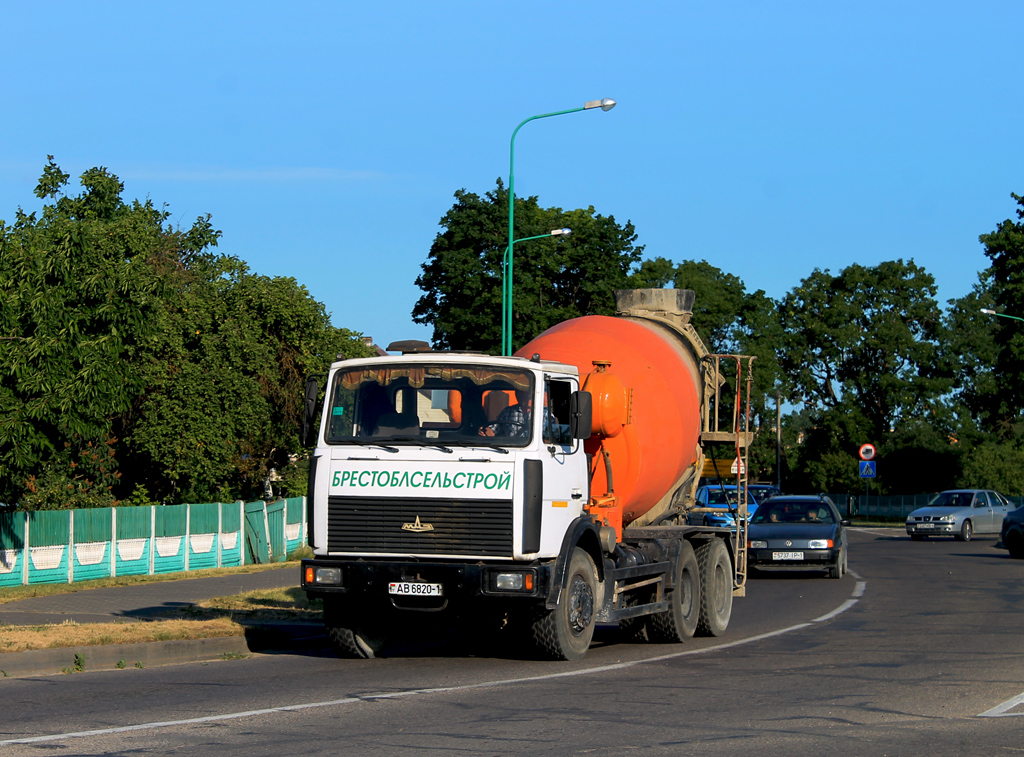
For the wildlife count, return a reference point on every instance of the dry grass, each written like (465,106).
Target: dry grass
(69,634)
(221,616)
(264,604)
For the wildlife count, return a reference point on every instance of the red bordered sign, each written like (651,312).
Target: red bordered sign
(867,452)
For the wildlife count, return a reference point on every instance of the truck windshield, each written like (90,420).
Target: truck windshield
(430,403)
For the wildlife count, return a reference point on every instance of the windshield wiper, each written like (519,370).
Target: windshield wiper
(384,446)
(420,442)
(478,446)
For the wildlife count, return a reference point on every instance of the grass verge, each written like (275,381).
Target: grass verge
(14,593)
(218,617)
(70,634)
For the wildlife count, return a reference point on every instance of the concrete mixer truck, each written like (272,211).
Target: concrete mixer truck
(548,491)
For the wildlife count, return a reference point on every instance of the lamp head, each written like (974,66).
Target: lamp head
(606,104)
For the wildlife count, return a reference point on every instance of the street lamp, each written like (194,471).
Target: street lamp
(506,291)
(505,263)
(1001,315)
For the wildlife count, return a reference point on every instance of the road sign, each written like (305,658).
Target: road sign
(867,469)
(737,467)
(715,468)
(867,452)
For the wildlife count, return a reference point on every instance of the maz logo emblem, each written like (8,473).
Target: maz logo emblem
(417,526)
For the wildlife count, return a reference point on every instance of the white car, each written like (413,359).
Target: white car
(959,513)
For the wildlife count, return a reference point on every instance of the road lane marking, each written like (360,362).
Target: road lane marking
(1002,710)
(858,591)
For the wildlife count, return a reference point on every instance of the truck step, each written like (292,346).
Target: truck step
(621,613)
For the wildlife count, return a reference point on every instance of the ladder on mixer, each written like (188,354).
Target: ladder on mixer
(738,431)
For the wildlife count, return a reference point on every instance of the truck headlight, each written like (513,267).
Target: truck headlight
(518,581)
(328,576)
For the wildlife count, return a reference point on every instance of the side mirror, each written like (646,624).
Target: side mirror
(581,415)
(309,414)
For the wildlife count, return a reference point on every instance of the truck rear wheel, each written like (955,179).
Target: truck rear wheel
(679,622)
(715,588)
(565,632)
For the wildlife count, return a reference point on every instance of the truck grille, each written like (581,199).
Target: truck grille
(480,527)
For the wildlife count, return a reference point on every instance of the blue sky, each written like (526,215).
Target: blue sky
(328,139)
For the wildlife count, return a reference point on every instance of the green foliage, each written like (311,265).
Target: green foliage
(1005,248)
(56,489)
(860,350)
(719,303)
(992,465)
(294,478)
(80,300)
(555,279)
(968,355)
(139,498)
(652,274)
(225,384)
(132,356)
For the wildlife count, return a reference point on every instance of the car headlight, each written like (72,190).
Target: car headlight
(757,544)
(946,519)
(819,544)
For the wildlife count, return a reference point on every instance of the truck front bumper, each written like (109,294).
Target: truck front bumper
(362,579)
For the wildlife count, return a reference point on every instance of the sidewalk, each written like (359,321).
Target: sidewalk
(147,602)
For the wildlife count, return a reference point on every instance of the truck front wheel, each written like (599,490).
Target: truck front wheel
(565,632)
(715,588)
(351,632)
(679,622)
(356,643)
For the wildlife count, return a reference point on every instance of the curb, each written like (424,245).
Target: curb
(66,660)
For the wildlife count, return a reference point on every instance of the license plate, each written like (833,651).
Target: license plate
(926,525)
(787,555)
(415,589)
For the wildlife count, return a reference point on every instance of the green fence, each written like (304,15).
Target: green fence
(888,506)
(64,546)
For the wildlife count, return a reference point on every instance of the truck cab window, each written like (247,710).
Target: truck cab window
(422,403)
(557,397)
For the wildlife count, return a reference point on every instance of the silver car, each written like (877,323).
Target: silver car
(960,513)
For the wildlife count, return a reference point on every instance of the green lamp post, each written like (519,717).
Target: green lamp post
(506,293)
(505,264)
(1001,315)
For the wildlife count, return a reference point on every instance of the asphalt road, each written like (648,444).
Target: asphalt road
(917,651)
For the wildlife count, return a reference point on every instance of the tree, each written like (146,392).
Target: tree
(860,350)
(554,279)
(133,360)
(720,302)
(1005,248)
(81,300)
(652,274)
(224,388)
(968,355)
(994,466)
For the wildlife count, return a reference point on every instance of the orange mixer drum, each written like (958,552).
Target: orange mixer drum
(656,397)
